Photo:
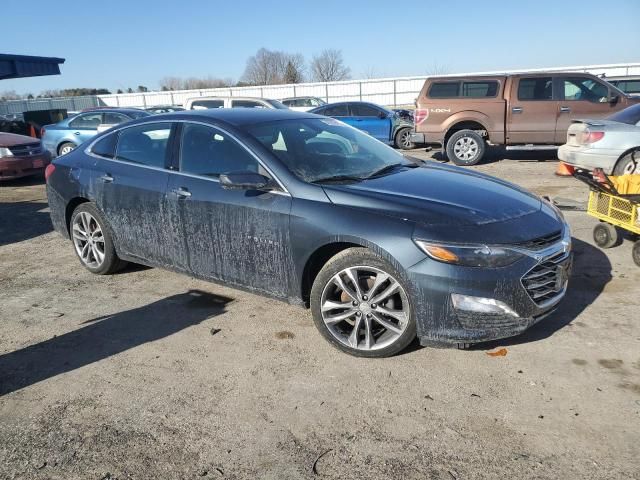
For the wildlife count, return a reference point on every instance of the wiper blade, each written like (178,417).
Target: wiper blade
(389,168)
(337,178)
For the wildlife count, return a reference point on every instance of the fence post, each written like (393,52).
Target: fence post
(144,100)
(171,97)
(326,92)
(360,90)
(117,100)
(395,100)
(261,92)
(294,91)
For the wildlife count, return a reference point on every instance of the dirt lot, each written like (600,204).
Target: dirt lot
(121,376)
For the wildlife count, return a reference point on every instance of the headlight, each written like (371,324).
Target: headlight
(5,152)
(471,255)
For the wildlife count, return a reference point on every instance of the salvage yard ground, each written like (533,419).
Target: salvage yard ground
(151,374)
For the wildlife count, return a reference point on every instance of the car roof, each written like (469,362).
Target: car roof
(113,109)
(238,116)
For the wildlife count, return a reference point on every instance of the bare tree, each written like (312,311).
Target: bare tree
(10,95)
(171,83)
(269,67)
(329,67)
(437,69)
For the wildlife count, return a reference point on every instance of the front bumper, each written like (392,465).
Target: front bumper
(589,158)
(17,167)
(438,320)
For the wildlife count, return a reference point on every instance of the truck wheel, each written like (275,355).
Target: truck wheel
(628,164)
(403,139)
(605,235)
(635,252)
(465,148)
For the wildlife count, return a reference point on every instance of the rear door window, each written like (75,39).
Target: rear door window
(145,144)
(535,88)
(336,111)
(204,104)
(246,104)
(482,89)
(444,90)
(86,121)
(106,146)
(361,110)
(111,118)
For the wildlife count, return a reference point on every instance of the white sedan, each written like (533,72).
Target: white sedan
(612,144)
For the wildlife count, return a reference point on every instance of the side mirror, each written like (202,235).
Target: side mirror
(613,99)
(244,180)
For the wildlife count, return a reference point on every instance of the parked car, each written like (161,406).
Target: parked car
(612,144)
(21,156)
(62,137)
(164,109)
(201,103)
(312,211)
(382,124)
(629,85)
(521,111)
(303,104)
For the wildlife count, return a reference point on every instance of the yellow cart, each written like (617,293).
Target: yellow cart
(614,210)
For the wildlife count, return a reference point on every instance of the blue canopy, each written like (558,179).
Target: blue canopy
(20,66)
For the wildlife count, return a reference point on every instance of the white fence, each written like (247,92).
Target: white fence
(393,92)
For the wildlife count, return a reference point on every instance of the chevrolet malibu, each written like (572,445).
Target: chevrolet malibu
(314,212)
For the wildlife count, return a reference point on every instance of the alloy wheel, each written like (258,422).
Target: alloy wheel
(66,149)
(365,308)
(405,139)
(465,148)
(88,239)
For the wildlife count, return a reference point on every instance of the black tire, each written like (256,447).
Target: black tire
(635,252)
(605,235)
(465,157)
(362,258)
(111,262)
(62,148)
(628,164)
(403,139)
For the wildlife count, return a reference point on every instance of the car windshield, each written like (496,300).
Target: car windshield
(277,104)
(630,115)
(325,149)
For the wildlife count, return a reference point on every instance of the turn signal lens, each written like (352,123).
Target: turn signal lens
(441,253)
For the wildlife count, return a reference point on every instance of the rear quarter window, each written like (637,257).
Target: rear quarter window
(444,90)
(106,146)
(481,89)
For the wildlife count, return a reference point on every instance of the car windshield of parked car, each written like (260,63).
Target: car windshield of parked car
(325,149)
(630,115)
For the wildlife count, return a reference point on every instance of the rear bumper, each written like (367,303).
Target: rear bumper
(589,158)
(17,167)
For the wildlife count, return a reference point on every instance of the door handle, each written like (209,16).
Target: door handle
(181,192)
(516,110)
(76,133)
(106,178)
(565,110)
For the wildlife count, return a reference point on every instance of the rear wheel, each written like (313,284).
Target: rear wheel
(361,306)
(605,235)
(66,148)
(465,148)
(628,164)
(635,252)
(92,241)
(403,139)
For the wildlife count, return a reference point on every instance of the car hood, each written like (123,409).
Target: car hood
(12,140)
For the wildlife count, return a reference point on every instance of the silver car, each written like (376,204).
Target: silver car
(612,144)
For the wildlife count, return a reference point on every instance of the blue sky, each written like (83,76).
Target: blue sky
(119,44)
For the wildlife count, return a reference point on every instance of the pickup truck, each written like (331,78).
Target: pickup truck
(520,111)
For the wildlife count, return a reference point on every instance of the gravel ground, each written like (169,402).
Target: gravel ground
(127,376)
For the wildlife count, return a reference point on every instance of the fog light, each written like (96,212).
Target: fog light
(481,305)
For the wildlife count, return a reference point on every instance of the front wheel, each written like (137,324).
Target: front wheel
(361,305)
(465,148)
(605,235)
(403,139)
(92,241)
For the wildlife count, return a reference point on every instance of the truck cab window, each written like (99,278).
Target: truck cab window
(535,88)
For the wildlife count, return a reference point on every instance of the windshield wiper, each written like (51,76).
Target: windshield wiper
(389,168)
(337,178)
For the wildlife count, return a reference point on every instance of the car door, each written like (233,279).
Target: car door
(84,126)
(129,186)
(236,236)
(374,121)
(532,111)
(581,97)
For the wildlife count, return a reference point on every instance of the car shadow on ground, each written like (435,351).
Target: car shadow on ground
(103,337)
(496,154)
(591,273)
(21,221)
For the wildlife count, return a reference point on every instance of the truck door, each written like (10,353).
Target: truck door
(531,111)
(582,97)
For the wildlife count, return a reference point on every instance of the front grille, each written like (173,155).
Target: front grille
(541,242)
(548,279)
(26,150)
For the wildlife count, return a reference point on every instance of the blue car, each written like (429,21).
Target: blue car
(62,137)
(382,124)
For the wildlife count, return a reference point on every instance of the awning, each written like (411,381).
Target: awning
(20,66)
